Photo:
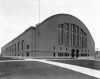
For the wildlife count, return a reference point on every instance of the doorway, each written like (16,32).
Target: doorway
(72,53)
(77,53)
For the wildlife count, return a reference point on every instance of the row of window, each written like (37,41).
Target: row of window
(17,54)
(66,49)
(63,54)
(67,54)
(69,27)
(16,47)
(72,35)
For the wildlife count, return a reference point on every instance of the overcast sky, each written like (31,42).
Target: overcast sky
(18,15)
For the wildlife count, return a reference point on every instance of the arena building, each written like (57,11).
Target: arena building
(59,36)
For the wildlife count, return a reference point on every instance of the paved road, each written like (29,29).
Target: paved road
(37,70)
(93,64)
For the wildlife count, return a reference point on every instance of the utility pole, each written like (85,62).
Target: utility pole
(39,10)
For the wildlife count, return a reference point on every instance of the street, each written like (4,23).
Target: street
(21,69)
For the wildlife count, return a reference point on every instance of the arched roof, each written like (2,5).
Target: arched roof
(69,18)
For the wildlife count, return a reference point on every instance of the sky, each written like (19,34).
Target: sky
(17,15)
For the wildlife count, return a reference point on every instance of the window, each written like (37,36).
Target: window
(66,54)
(22,44)
(71,26)
(54,54)
(72,35)
(67,27)
(67,35)
(66,49)
(27,53)
(60,34)
(27,46)
(85,44)
(15,47)
(60,54)
(74,28)
(77,28)
(18,45)
(84,54)
(12,49)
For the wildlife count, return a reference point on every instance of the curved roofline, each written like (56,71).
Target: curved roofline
(50,17)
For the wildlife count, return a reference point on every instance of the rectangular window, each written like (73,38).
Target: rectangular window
(67,39)
(67,35)
(10,49)
(74,40)
(82,42)
(27,46)
(18,46)
(15,47)
(73,28)
(77,29)
(85,44)
(67,27)
(71,39)
(22,44)
(60,34)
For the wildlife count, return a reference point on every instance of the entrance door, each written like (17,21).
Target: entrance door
(77,53)
(73,53)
